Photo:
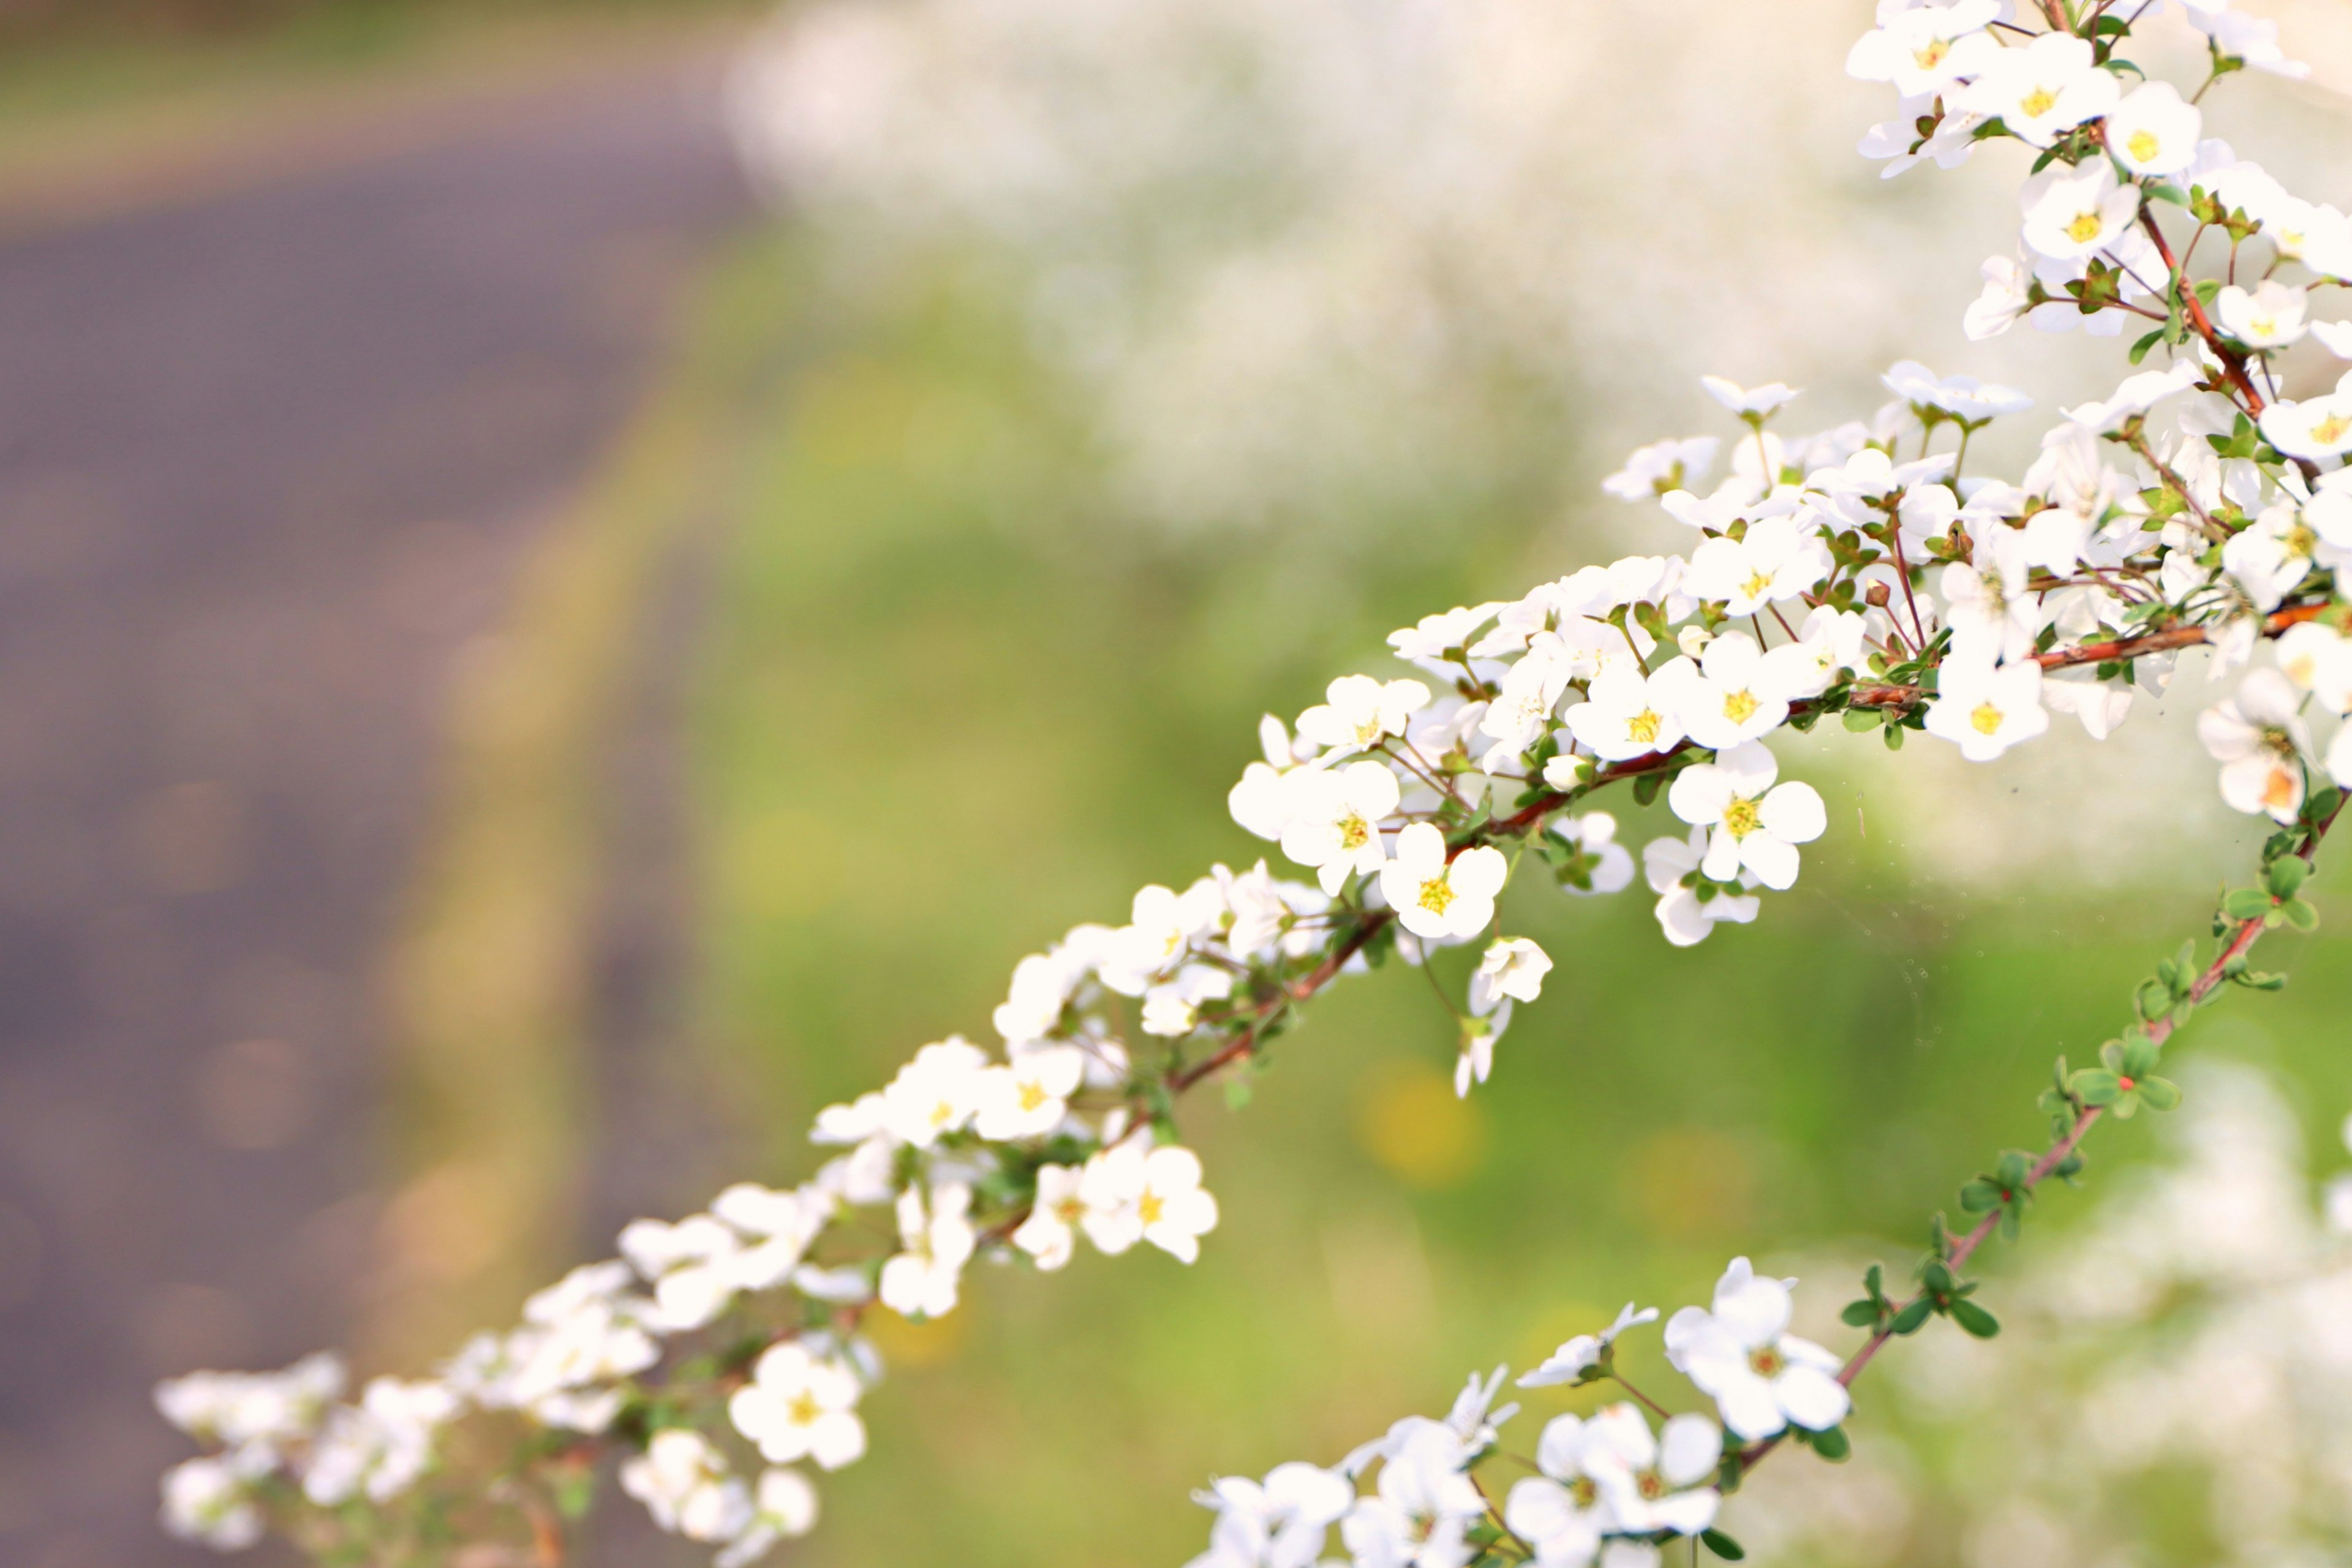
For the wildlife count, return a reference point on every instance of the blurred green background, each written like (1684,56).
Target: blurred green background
(956,681)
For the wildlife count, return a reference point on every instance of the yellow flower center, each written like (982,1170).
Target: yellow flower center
(1033,1095)
(1644,726)
(1151,1206)
(1931,57)
(1741,819)
(1739,705)
(1649,1484)
(2083,227)
(2332,429)
(803,1410)
(1986,718)
(1068,1211)
(1353,831)
(1767,1361)
(1370,729)
(2300,540)
(1437,894)
(2037,103)
(942,1113)
(2279,790)
(2143,145)
(1756,585)
(1584,1491)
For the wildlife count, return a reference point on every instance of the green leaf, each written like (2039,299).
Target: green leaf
(1863,1314)
(2095,1085)
(1937,1277)
(2245,904)
(1975,1319)
(2140,350)
(2153,998)
(2286,875)
(1646,789)
(2139,1056)
(1859,719)
(1722,1545)
(2161,1093)
(1894,736)
(1908,1320)
(1831,1443)
(2301,913)
(1979,1196)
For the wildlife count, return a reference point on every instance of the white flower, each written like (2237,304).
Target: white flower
(682,1479)
(1172,1009)
(1050,1233)
(2268,317)
(2137,395)
(1513,968)
(783,1506)
(1736,692)
(2319,661)
(1761,1377)
(1756,825)
(382,1444)
(1422,1509)
(262,1409)
(2100,705)
(2250,39)
(1430,641)
(2336,337)
(1028,1097)
(1577,1356)
(798,1406)
(2039,91)
(690,1265)
(2073,214)
(209,1502)
(2260,740)
(1776,559)
(1601,864)
(1562,1513)
(1281,1522)
(2270,555)
(1687,912)
(1832,641)
(2152,131)
(1993,617)
(1437,900)
(1645,1477)
(2339,760)
(1925,50)
(921,1282)
(1660,467)
(1755,401)
(1162,926)
(2316,427)
(936,1092)
(1964,397)
(1358,712)
(1626,714)
(1522,707)
(2005,297)
(1986,709)
(1135,1192)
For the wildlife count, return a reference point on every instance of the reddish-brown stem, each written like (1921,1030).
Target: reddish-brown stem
(2233,365)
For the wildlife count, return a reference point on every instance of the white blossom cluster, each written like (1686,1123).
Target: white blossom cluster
(1858,571)
(1609,1488)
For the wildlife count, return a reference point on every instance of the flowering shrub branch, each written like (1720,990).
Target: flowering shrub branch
(1858,572)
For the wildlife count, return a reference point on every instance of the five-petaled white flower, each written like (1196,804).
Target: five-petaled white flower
(1748,402)
(1357,712)
(1652,1479)
(1925,49)
(1689,905)
(2047,88)
(2314,429)
(1662,467)
(1993,617)
(1435,899)
(1601,864)
(934,1093)
(1134,1191)
(1761,1377)
(1423,1506)
(1335,820)
(1028,1096)
(798,1406)
(1986,709)
(2268,316)
(784,1505)
(1756,823)
(1776,559)
(1626,714)
(682,1479)
(1050,1233)
(1577,1356)
(1280,1522)
(2260,740)
(1512,969)
(2074,213)
(2153,130)
(920,1281)
(1736,692)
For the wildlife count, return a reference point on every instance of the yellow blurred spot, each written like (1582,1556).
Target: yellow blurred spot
(905,1342)
(1557,1326)
(1692,1183)
(788,862)
(1410,1121)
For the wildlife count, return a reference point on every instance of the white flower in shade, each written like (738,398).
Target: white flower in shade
(1172,1008)
(1661,467)
(1761,1377)
(209,1502)
(2137,395)
(1626,714)
(1832,641)
(2101,705)
(1028,1097)
(2153,130)
(2339,760)
(1134,1191)
(2042,90)
(783,1506)
(1601,864)
(380,1445)
(1279,1522)
(920,1281)
(2074,213)
(682,1479)
(1686,909)
(1926,50)
(1736,692)
(798,1406)
(1987,709)
(2269,316)
(1437,900)
(2314,429)
(2336,337)
(1050,1233)
(691,1266)
(1163,925)
(266,1409)
(1748,402)
(1992,615)
(1512,969)
(777,1228)
(1562,1511)
(1358,712)
(1963,397)
(1756,824)
(1422,1509)
(2005,297)
(936,1092)
(2259,738)
(1581,1355)
(1776,559)
(1530,689)
(1651,1481)
(2271,555)
(2319,661)
(2251,39)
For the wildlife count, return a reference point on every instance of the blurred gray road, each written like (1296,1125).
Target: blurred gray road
(268,459)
